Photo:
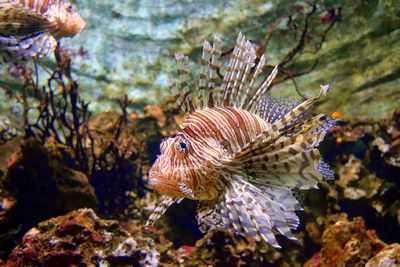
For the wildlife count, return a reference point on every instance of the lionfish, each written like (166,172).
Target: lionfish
(31,28)
(239,151)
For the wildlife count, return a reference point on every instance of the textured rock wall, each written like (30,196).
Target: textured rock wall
(128,47)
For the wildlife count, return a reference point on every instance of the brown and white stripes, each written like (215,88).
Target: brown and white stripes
(238,159)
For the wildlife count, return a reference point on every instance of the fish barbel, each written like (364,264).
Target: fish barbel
(239,151)
(31,28)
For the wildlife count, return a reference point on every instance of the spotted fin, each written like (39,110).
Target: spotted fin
(208,216)
(272,109)
(287,162)
(280,127)
(325,170)
(286,154)
(161,209)
(257,212)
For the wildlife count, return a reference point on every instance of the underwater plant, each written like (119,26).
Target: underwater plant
(32,28)
(239,151)
(55,113)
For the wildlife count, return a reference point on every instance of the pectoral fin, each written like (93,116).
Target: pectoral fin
(161,209)
(24,33)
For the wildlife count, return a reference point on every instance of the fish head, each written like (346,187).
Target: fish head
(186,168)
(70,22)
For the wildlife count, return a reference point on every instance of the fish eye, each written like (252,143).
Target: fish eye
(182,146)
(70,8)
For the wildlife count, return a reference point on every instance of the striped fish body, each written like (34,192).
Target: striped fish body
(205,140)
(239,151)
(31,28)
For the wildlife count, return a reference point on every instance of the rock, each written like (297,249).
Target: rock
(389,256)
(7,131)
(346,243)
(39,185)
(80,238)
(39,176)
(128,47)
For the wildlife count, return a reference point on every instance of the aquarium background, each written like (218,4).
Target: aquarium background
(96,171)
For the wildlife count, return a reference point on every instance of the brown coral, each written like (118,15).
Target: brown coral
(346,243)
(80,238)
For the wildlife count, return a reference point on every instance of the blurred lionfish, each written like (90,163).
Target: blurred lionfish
(31,28)
(239,151)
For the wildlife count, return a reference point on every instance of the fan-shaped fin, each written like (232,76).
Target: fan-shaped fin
(280,127)
(24,33)
(35,46)
(251,211)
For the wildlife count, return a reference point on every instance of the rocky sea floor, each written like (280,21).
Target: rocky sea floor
(53,214)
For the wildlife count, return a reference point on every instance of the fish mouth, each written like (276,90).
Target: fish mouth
(82,25)
(155,179)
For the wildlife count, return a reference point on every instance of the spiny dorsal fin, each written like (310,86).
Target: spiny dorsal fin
(204,78)
(208,72)
(239,85)
(214,66)
(256,97)
(183,93)
(237,74)
(251,86)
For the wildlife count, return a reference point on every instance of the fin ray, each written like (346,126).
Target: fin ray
(161,209)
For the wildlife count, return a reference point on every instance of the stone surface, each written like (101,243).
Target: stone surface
(38,185)
(80,238)
(128,47)
(389,256)
(346,243)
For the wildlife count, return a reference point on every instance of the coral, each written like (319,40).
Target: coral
(7,131)
(40,185)
(36,169)
(346,243)
(366,181)
(219,248)
(389,256)
(80,238)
